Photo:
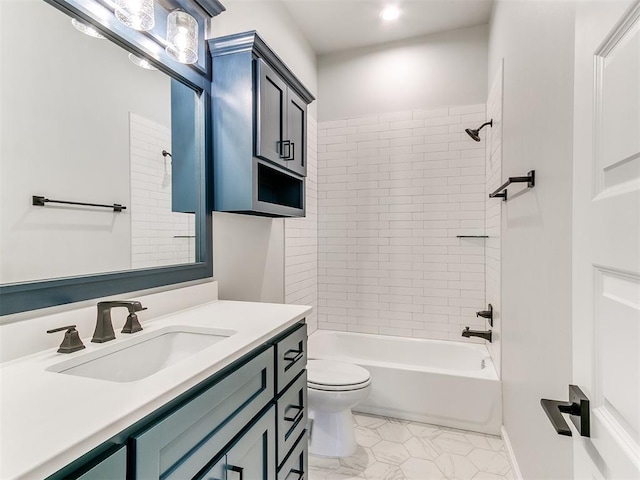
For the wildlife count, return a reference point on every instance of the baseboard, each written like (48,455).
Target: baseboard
(512,458)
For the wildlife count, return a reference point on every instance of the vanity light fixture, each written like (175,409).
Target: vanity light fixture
(390,13)
(141,62)
(182,37)
(136,14)
(86,29)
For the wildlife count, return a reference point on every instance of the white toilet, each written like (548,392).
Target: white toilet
(334,388)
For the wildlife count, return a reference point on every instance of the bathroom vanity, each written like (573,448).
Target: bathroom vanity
(236,408)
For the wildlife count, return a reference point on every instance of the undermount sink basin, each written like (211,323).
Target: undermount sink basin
(143,355)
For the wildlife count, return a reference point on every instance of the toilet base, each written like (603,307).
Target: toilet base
(332,434)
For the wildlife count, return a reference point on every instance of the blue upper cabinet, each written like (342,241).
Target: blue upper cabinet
(259,129)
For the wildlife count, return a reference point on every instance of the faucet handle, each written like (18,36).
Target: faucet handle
(132,325)
(71,342)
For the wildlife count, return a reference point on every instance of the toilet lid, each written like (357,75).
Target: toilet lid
(331,375)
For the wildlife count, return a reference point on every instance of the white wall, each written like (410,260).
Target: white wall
(242,272)
(394,192)
(442,69)
(66,100)
(536,41)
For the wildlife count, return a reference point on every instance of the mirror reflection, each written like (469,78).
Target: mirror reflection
(81,122)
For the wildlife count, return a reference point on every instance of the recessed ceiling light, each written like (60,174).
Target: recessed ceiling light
(390,13)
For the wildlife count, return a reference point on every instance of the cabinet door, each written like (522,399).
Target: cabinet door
(296,134)
(271,105)
(253,457)
(113,468)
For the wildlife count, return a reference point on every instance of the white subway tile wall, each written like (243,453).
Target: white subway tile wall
(301,240)
(394,190)
(493,219)
(158,235)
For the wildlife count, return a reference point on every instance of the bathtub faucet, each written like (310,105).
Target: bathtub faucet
(486,334)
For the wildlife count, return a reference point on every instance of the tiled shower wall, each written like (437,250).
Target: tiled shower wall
(301,239)
(158,235)
(493,218)
(394,191)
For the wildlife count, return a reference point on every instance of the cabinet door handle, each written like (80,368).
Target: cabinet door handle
(300,474)
(297,417)
(293,152)
(292,356)
(283,144)
(239,470)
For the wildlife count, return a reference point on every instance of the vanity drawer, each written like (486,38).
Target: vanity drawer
(181,444)
(291,415)
(296,464)
(291,357)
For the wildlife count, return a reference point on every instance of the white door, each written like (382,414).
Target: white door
(606,237)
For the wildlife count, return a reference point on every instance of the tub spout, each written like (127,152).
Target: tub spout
(486,334)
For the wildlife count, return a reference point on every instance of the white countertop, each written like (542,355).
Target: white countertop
(49,419)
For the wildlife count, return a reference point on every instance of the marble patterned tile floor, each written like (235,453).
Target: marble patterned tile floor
(392,449)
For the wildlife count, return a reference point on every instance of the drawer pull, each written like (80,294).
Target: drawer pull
(292,356)
(300,474)
(238,470)
(298,415)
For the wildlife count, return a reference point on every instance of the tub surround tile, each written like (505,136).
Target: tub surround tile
(430,452)
(376,190)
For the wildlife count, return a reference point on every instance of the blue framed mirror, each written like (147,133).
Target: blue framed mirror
(103,159)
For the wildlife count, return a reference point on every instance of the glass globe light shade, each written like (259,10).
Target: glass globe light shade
(182,37)
(136,14)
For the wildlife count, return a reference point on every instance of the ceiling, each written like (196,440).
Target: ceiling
(334,25)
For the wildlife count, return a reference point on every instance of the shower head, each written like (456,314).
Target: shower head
(475,134)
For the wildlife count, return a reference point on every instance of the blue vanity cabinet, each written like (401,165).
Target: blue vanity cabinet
(183,443)
(252,456)
(259,110)
(242,423)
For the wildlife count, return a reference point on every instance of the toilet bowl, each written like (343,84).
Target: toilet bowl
(334,388)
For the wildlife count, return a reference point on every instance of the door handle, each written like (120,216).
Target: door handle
(578,409)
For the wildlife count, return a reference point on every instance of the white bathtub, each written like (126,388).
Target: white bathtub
(433,381)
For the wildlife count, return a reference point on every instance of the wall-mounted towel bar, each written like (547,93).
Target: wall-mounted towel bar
(501,192)
(40,202)
(472,236)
